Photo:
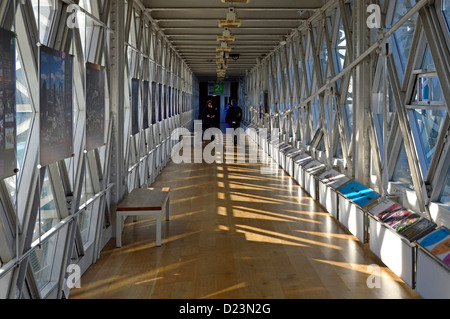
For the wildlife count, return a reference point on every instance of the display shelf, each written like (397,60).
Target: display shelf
(284,149)
(299,162)
(328,182)
(263,142)
(353,200)
(433,264)
(310,171)
(274,145)
(290,156)
(395,250)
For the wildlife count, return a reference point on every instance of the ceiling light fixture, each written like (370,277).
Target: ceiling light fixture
(224,47)
(230,21)
(226,35)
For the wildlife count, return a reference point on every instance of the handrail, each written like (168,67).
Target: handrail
(15,262)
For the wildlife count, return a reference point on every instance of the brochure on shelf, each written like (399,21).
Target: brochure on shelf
(406,223)
(300,157)
(305,160)
(333,178)
(418,229)
(329,182)
(438,244)
(359,194)
(433,264)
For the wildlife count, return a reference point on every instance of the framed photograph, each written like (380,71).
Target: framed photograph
(8,142)
(56,105)
(95,106)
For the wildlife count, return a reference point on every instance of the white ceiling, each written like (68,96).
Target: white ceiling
(192,27)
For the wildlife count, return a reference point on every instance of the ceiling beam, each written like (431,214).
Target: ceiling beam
(215,19)
(252,9)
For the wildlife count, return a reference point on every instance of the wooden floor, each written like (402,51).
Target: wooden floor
(236,233)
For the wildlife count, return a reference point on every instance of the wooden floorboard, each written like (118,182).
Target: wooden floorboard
(236,233)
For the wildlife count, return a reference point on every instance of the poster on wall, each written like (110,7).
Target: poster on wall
(8,142)
(177,102)
(56,105)
(134,106)
(160,102)
(145,103)
(153,102)
(95,106)
(165,102)
(170,102)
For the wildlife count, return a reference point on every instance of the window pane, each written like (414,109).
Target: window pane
(427,62)
(446,11)
(24,114)
(87,191)
(324,57)
(42,261)
(315,110)
(445,195)
(429,124)
(402,172)
(349,106)
(339,153)
(428,89)
(48,212)
(84,223)
(404,35)
(44,12)
(341,47)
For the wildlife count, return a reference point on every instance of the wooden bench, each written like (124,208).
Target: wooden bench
(143,202)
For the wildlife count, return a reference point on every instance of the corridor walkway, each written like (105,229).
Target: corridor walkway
(236,233)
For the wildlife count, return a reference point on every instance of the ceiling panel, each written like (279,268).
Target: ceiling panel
(192,27)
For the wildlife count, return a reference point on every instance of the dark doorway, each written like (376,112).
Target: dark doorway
(216,103)
(204,97)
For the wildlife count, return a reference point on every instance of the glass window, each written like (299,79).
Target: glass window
(42,261)
(446,11)
(315,111)
(339,154)
(340,50)
(427,62)
(24,118)
(429,124)
(402,172)
(391,107)
(404,35)
(428,90)
(309,64)
(324,57)
(48,214)
(87,188)
(444,198)
(321,145)
(44,12)
(349,106)
(84,223)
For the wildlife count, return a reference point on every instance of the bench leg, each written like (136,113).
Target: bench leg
(158,229)
(167,209)
(118,230)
